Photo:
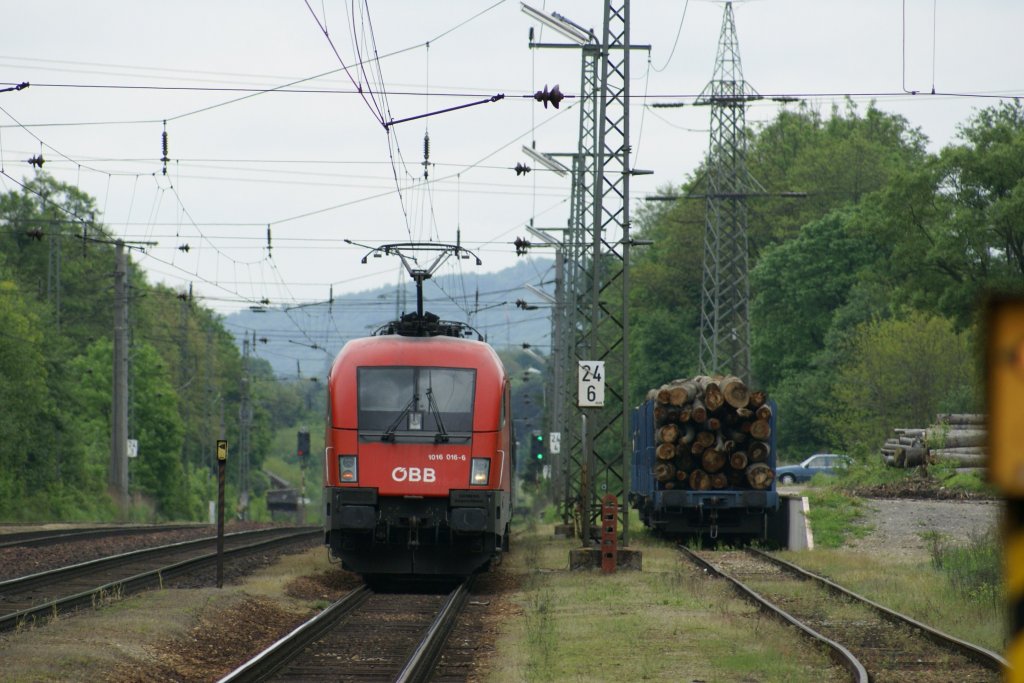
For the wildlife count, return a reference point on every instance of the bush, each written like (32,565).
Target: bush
(974,570)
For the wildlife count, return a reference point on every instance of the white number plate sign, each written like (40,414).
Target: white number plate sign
(591,384)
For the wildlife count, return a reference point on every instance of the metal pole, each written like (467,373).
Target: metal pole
(118,477)
(588,459)
(222,461)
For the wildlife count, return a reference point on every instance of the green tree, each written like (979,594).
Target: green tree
(956,223)
(900,372)
(838,162)
(157,473)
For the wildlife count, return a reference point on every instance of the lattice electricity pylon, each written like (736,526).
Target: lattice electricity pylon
(725,287)
(606,442)
(596,249)
(578,273)
(569,341)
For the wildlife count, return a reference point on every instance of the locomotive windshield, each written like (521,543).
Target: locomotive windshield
(427,402)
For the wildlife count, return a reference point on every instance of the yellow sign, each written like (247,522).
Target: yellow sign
(1005,395)
(222,449)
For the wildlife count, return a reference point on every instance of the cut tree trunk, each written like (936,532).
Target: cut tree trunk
(713,397)
(758,452)
(967,450)
(911,456)
(941,438)
(713,460)
(665,451)
(664,471)
(738,460)
(761,430)
(699,412)
(706,439)
(760,476)
(700,480)
(735,392)
(719,480)
(961,419)
(678,395)
(668,434)
(688,434)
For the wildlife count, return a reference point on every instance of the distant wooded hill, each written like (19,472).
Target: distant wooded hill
(303,340)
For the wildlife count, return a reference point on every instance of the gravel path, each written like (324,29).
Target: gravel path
(897,525)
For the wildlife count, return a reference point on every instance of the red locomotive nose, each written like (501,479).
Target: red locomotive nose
(418,466)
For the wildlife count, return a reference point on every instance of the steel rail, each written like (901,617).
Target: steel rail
(424,658)
(839,653)
(154,577)
(71,571)
(417,669)
(27,539)
(271,660)
(987,658)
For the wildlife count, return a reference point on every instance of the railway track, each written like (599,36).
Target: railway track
(30,599)
(37,538)
(365,636)
(869,641)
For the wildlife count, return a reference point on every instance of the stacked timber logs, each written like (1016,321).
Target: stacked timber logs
(957,437)
(712,433)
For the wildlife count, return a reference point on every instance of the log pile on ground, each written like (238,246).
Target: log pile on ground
(712,433)
(957,437)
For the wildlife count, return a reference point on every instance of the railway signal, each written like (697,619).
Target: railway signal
(302,449)
(538,445)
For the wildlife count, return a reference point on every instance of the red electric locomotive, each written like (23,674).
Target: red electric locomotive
(418,471)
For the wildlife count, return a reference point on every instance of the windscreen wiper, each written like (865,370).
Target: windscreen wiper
(442,434)
(389,433)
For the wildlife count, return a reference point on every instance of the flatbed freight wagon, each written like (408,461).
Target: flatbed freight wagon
(685,505)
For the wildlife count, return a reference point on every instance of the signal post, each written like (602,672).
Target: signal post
(609,556)
(222,461)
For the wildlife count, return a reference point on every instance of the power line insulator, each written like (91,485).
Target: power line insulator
(525,306)
(36,234)
(426,155)
(554,96)
(37,161)
(522,246)
(163,147)
(522,169)
(184,248)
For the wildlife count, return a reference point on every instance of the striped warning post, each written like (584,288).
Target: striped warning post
(1013,569)
(1004,398)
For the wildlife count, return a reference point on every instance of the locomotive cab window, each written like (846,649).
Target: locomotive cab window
(416,403)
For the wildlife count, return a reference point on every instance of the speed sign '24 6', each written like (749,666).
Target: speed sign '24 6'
(591,385)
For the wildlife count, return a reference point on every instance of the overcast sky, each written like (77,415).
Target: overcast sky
(318,167)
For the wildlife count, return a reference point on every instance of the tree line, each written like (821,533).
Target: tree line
(866,291)
(56,351)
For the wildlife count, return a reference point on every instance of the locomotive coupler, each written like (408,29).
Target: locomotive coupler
(414,532)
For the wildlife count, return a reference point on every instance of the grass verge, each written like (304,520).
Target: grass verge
(913,587)
(834,516)
(669,622)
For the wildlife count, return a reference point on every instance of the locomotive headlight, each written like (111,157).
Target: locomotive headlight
(348,469)
(480,472)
